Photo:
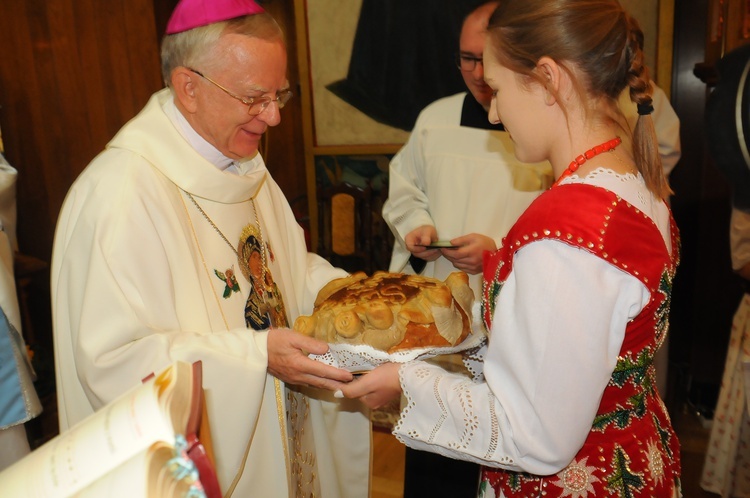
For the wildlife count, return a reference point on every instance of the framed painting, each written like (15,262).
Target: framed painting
(367,68)
(338,122)
(370,66)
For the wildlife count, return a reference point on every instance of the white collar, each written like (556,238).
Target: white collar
(200,144)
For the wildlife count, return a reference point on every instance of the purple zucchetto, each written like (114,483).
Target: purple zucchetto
(191,14)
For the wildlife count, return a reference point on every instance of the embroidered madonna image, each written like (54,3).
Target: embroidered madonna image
(264,307)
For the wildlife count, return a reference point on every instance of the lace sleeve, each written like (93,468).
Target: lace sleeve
(462,419)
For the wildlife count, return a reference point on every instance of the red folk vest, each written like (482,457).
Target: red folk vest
(632,450)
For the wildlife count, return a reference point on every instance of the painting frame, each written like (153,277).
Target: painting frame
(335,126)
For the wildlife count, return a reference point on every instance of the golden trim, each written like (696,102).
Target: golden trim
(356,150)
(281,412)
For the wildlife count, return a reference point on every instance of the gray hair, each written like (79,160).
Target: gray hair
(194,47)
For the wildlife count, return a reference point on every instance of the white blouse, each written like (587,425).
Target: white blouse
(548,360)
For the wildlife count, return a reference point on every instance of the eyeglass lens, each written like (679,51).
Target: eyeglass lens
(255,105)
(467,62)
(259,104)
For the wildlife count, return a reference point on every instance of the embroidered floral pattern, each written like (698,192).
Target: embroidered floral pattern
(655,462)
(624,482)
(577,479)
(492,290)
(662,312)
(514,481)
(637,373)
(665,435)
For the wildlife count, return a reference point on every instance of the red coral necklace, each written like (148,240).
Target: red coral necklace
(594,151)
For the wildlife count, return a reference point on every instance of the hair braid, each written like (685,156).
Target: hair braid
(645,144)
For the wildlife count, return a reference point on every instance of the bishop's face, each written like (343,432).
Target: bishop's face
(247,68)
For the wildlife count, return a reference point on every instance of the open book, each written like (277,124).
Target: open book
(152,441)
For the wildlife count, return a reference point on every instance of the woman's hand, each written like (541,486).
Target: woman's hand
(376,388)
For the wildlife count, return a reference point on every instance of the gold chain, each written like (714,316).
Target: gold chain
(221,234)
(264,261)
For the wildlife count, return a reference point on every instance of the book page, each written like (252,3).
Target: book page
(147,474)
(100,443)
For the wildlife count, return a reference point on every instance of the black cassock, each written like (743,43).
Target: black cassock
(728,123)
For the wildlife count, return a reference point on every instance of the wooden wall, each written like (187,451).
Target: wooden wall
(72,72)
(285,153)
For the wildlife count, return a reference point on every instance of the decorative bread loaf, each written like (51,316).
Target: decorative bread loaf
(392,311)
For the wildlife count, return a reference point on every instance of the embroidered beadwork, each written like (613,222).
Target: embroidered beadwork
(624,481)
(662,312)
(577,479)
(655,462)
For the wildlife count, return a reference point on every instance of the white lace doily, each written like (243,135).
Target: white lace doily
(362,358)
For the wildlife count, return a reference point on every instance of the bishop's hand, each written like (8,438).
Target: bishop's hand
(288,361)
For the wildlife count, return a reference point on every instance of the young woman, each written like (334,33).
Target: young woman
(564,402)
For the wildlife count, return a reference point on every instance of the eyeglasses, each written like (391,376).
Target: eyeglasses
(467,62)
(255,105)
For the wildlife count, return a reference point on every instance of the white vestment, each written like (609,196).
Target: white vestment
(135,287)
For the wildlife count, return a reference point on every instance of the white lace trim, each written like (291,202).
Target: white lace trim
(362,358)
(455,426)
(602,171)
